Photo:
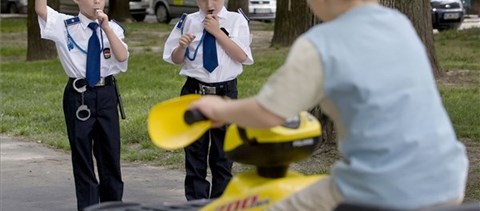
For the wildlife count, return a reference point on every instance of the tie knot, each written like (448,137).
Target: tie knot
(93,26)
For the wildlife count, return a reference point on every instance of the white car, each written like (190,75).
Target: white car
(264,10)
(166,10)
(138,8)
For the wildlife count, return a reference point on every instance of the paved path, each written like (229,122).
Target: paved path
(34,177)
(472,21)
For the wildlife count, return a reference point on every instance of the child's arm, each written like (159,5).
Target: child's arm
(41,9)
(119,50)
(178,55)
(231,48)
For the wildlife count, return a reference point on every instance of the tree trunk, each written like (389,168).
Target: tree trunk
(38,48)
(474,7)
(293,18)
(420,15)
(119,10)
(234,5)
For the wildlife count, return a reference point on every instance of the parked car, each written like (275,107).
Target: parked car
(166,10)
(447,14)
(14,6)
(138,8)
(263,10)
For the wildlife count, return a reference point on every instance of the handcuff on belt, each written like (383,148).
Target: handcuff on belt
(83,109)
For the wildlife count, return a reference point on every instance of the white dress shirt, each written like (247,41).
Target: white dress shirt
(228,69)
(74,60)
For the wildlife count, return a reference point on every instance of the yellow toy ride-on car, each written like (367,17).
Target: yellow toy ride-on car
(269,150)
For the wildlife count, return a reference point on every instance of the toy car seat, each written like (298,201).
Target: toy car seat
(272,150)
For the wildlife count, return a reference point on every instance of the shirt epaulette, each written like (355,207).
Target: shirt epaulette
(73,20)
(181,21)
(119,25)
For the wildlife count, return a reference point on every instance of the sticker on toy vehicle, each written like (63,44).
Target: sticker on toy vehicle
(243,204)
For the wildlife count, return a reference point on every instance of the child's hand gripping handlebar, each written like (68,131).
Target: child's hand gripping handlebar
(193,115)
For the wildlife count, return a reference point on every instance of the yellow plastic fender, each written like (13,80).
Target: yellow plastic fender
(248,191)
(166,125)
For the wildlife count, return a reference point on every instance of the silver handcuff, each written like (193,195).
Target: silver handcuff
(82,109)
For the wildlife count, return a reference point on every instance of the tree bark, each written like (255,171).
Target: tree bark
(38,48)
(234,5)
(420,15)
(292,19)
(119,10)
(474,7)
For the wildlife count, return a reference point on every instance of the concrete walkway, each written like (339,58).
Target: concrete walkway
(34,177)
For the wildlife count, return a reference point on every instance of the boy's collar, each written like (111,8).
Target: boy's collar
(84,20)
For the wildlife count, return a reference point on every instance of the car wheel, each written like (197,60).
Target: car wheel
(12,8)
(139,17)
(162,14)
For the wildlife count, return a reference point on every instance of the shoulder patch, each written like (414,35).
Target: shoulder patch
(181,21)
(71,21)
(113,20)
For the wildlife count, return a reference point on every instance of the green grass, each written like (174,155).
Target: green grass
(13,25)
(31,92)
(459,50)
(463,106)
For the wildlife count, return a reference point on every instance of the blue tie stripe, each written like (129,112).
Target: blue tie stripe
(210,60)
(93,57)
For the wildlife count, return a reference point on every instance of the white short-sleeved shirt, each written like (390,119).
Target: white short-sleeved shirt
(238,30)
(74,58)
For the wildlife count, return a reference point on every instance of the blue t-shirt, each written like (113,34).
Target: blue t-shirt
(398,144)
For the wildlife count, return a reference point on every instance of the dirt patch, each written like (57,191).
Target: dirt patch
(473,183)
(260,40)
(320,162)
(459,77)
(473,150)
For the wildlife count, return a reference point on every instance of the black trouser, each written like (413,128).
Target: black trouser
(209,146)
(100,135)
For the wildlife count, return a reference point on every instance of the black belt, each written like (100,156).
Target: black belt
(107,81)
(220,88)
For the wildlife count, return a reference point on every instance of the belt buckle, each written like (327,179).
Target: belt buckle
(207,90)
(101,82)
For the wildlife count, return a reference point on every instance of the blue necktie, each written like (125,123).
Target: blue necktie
(93,56)
(210,61)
